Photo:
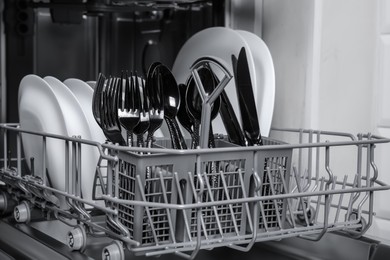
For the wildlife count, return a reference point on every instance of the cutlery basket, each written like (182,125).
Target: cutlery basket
(197,177)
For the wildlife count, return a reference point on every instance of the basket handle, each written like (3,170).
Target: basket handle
(208,99)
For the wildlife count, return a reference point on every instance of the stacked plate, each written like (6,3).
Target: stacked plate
(51,106)
(222,43)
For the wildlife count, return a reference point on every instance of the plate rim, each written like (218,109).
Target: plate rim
(36,84)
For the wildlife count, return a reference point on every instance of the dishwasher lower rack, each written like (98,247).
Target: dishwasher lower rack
(158,200)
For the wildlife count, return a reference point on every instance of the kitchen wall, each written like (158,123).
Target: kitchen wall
(328,62)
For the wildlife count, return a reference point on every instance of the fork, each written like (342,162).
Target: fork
(109,113)
(97,99)
(143,125)
(156,106)
(128,108)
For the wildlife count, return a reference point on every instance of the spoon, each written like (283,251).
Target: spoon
(151,85)
(185,119)
(171,100)
(156,113)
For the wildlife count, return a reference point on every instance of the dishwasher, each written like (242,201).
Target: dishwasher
(283,199)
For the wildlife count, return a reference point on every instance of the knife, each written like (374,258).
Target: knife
(246,100)
(229,118)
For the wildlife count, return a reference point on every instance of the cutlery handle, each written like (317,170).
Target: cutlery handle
(195,138)
(246,99)
(140,140)
(230,121)
(214,165)
(130,138)
(149,139)
(174,138)
(179,135)
(211,138)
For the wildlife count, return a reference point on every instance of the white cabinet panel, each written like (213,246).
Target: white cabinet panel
(384,9)
(384,81)
(382,152)
(380,228)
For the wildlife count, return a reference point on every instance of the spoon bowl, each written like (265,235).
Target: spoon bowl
(183,116)
(171,102)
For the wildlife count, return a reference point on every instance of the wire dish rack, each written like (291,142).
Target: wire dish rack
(159,200)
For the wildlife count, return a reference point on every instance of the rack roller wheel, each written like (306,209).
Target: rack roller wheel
(114,251)
(310,215)
(22,212)
(77,238)
(7,205)
(354,216)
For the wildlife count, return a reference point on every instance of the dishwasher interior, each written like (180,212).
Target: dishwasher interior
(291,207)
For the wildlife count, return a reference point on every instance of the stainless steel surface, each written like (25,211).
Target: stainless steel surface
(3,89)
(78,39)
(23,242)
(63,42)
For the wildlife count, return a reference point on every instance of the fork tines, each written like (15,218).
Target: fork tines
(156,106)
(128,108)
(131,103)
(143,125)
(103,105)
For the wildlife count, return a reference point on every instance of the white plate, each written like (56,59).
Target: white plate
(265,76)
(84,93)
(222,42)
(40,111)
(76,125)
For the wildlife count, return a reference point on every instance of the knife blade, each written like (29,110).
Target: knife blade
(229,118)
(246,100)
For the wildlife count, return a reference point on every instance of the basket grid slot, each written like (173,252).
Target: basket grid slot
(126,192)
(159,224)
(154,192)
(217,191)
(273,167)
(100,182)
